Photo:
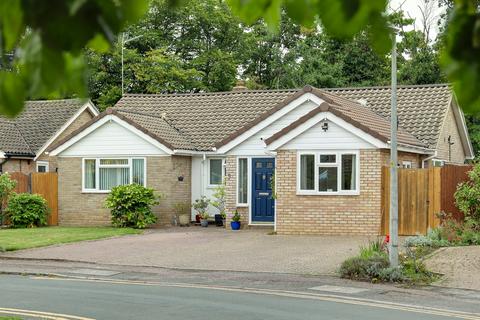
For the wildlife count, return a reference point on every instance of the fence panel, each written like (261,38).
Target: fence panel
(451,176)
(23,182)
(46,184)
(418,200)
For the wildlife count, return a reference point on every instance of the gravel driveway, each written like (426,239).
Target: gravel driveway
(460,265)
(211,249)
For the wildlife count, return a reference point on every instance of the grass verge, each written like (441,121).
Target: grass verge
(17,239)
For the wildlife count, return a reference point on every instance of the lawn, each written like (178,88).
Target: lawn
(17,239)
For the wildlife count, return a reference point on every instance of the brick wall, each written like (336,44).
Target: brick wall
(84,209)
(19,165)
(231,195)
(336,215)
(414,158)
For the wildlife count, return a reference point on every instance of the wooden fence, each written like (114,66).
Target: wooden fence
(422,193)
(45,184)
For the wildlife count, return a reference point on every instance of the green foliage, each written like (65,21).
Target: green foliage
(432,239)
(372,265)
(236,217)
(201,205)
(26,210)
(219,199)
(373,248)
(47,52)
(467,197)
(131,206)
(181,208)
(6,188)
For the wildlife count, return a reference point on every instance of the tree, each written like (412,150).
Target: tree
(42,43)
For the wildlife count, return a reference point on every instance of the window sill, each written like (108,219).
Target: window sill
(95,191)
(315,193)
(242,205)
(213,186)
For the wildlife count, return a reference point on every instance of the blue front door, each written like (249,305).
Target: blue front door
(263,205)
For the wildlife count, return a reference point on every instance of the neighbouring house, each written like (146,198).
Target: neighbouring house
(25,139)
(303,161)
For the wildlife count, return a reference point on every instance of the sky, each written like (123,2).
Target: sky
(411,8)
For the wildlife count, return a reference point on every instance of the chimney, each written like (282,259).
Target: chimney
(240,86)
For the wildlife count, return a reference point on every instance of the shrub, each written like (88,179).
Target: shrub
(358,268)
(467,197)
(236,217)
(27,210)
(432,239)
(131,206)
(6,189)
(219,199)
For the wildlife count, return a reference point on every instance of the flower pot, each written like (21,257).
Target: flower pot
(204,222)
(184,219)
(235,225)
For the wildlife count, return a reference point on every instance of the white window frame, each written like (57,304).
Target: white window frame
(407,164)
(43,163)
(337,164)
(98,166)
(223,172)
(246,204)
(442,162)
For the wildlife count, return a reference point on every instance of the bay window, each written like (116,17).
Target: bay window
(336,172)
(102,174)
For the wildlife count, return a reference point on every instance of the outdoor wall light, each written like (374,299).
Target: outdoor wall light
(180,178)
(325,126)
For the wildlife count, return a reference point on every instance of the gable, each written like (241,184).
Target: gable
(335,138)
(111,138)
(255,144)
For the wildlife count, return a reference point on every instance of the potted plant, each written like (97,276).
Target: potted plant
(235,223)
(219,203)
(204,219)
(182,213)
(201,205)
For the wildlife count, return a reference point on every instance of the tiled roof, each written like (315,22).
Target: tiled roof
(38,122)
(202,121)
(421,108)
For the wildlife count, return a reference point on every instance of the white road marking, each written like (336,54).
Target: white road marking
(291,294)
(337,289)
(41,314)
(95,272)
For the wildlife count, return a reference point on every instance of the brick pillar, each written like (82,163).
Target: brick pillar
(231,192)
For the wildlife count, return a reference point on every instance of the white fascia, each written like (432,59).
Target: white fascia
(87,106)
(101,122)
(322,116)
(272,118)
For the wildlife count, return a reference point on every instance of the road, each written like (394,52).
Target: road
(83,299)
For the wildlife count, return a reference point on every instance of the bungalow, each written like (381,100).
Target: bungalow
(25,139)
(303,161)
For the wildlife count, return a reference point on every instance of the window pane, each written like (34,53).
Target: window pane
(112,177)
(349,174)
(328,158)
(327,178)
(307,172)
(138,172)
(242,181)
(216,171)
(42,168)
(113,161)
(89,174)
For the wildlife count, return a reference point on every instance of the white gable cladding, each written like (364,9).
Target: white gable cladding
(255,145)
(335,138)
(112,139)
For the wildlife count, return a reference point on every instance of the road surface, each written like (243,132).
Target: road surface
(81,299)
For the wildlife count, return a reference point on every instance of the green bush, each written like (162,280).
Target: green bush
(358,268)
(6,189)
(373,248)
(467,197)
(27,210)
(131,206)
